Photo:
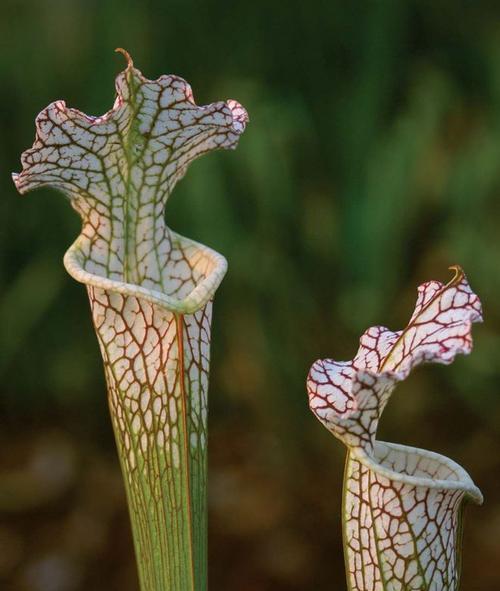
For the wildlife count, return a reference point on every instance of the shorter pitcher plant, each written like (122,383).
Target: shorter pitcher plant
(402,506)
(150,292)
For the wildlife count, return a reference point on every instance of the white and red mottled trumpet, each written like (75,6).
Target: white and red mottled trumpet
(151,294)
(402,506)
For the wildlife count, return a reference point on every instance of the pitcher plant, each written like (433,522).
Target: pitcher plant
(150,292)
(402,506)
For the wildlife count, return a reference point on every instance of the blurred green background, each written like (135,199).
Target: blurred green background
(370,165)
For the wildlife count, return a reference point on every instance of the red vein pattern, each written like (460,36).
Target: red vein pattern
(151,296)
(402,505)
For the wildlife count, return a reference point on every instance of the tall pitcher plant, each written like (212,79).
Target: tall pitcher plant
(150,292)
(402,506)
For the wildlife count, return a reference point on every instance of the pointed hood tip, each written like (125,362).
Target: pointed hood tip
(126,55)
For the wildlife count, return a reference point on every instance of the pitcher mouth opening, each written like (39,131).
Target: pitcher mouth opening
(209,264)
(418,467)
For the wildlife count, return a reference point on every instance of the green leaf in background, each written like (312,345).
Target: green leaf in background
(21,308)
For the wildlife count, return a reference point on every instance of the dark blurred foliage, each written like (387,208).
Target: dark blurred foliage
(371,164)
